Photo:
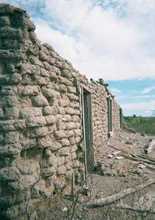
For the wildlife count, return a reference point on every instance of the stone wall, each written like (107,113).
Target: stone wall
(100,121)
(99,95)
(41,132)
(40,120)
(116,116)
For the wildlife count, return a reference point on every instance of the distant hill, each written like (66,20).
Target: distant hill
(140,124)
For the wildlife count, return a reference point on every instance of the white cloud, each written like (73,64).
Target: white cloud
(116,91)
(148,90)
(98,42)
(142,108)
(109,42)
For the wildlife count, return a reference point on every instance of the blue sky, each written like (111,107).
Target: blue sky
(109,39)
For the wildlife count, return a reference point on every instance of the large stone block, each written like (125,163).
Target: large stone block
(73,97)
(29,90)
(53,75)
(39,101)
(43,56)
(65,142)
(63,88)
(70,133)
(50,110)
(52,60)
(55,146)
(44,72)
(50,119)
(78,139)
(45,142)
(27,79)
(61,111)
(66,73)
(35,61)
(36,121)
(38,132)
(47,66)
(27,68)
(65,151)
(28,112)
(71,125)
(65,81)
(49,92)
(78,125)
(42,80)
(60,134)
(72,111)
(20,124)
(72,89)
(67,118)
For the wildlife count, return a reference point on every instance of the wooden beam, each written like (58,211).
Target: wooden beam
(114,198)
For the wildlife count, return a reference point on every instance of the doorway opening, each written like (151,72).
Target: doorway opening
(121,117)
(87,130)
(109,112)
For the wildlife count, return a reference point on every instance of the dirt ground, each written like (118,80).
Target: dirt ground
(125,165)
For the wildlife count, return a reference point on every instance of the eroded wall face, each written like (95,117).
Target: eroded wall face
(100,122)
(99,118)
(116,116)
(40,118)
(41,132)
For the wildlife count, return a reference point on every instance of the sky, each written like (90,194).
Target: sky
(109,39)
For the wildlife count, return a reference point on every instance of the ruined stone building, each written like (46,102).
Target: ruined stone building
(54,122)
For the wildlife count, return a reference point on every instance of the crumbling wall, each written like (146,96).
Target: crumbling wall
(116,116)
(41,133)
(98,93)
(100,121)
(40,118)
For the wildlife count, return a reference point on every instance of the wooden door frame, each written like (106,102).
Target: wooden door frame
(109,114)
(83,90)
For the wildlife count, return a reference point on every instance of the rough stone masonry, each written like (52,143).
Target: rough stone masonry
(42,138)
